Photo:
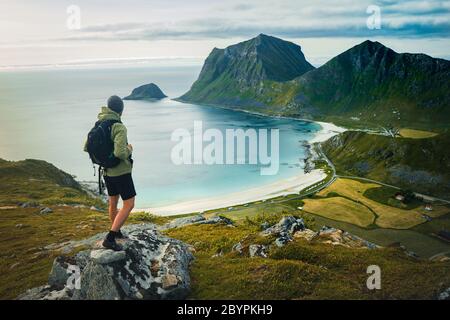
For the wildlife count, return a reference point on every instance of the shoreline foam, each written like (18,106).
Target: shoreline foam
(279,188)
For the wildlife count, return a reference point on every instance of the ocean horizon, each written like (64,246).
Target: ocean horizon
(46,114)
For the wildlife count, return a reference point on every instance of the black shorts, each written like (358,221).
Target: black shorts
(121,185)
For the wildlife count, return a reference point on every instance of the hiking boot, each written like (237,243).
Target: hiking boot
(120,235)
(111,244)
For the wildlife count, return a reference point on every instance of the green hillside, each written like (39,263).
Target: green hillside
(422,165)
(368,85)
(39,182)
(375,85)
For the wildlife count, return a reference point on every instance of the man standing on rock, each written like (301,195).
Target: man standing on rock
(112,152)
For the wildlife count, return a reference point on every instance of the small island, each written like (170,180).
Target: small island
(149,92)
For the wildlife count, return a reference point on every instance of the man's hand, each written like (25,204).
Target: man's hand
(130,147)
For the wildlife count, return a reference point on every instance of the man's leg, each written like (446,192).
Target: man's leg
(113,202)
(123,214)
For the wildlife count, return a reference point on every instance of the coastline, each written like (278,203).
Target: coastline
(279,188)
(276,189)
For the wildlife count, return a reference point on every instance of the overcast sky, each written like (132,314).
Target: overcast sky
(36,33)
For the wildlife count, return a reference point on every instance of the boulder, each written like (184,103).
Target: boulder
(107,256)
(306,234)
(182,222)
(197,219)
(342,238)
(286,226)
(284,229)
(45,211)
(238,247)
(151,266)
(30,205)
(257,250)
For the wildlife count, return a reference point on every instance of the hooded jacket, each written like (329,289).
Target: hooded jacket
(121,150)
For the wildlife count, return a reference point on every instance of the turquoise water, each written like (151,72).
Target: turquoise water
(47,114)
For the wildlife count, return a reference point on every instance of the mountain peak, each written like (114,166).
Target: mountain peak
(247,65)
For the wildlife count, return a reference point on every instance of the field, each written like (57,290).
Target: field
(367,210)
(416,134)
(386,216)
(342,209)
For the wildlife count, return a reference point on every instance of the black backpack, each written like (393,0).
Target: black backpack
(100,145)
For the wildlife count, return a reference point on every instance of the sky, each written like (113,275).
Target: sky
(48,32)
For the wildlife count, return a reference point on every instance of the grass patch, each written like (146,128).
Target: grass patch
(341,209)
(41,182)
(416,134)
(388,216)
(24,263)
(302,270)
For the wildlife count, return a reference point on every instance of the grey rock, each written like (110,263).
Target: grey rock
(152,266)
(444,295)
(38,293)
(265,225)
(97,284)
(257,250)
(238,248)
(107,256)
(286,226)
(30,205)
(194,220)
(217,220)
(182,222)
(283,240)
(59,273)
(45,210)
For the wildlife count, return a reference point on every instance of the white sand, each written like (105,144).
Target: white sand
(280,188)
(273,190)
(328,130)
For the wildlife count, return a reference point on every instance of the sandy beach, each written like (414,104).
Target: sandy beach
(328,130)
(276,189)
(273,190)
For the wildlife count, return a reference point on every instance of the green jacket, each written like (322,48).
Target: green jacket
(121,150)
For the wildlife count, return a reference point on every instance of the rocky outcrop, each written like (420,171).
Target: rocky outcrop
(284,230)
(197,219)
(146,92)
(290,228)
(151,266)
(328,235)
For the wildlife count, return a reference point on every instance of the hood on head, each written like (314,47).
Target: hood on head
(107,114)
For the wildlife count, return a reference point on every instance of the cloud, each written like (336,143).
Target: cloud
(331,18)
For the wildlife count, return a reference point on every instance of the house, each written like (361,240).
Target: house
(429,207)
(400,197)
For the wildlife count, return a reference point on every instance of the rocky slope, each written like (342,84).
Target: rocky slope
(238,74)
(146,92)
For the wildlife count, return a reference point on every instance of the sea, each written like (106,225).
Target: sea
(46,114)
